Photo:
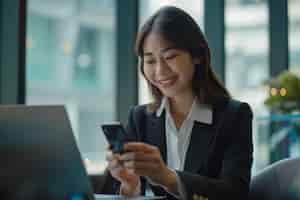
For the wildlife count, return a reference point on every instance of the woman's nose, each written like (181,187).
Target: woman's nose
(162,68)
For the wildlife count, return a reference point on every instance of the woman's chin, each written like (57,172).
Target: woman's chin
(175,92)
(169,92)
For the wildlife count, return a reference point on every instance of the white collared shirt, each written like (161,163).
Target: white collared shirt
(178,140)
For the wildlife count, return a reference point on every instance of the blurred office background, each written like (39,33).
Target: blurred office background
(80,53)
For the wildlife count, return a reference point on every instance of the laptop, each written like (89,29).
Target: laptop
(40,158)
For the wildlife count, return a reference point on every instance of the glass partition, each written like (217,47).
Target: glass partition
(247,56)
(70,58)
(294,32)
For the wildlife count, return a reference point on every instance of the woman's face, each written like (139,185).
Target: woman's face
(166,67)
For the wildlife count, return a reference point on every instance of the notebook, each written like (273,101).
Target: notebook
(40,158)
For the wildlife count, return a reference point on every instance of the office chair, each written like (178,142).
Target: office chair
(279,181)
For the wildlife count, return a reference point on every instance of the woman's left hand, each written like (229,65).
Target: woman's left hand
(145,160)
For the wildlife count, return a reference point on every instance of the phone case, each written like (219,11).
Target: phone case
(116,136)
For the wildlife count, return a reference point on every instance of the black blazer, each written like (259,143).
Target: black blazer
(219,158)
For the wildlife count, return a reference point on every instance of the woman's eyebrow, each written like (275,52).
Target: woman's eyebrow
(148,54)
(168,49)
(161,51)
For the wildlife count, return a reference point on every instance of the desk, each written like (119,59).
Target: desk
(117,197)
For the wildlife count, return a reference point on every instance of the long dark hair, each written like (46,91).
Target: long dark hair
(179,28)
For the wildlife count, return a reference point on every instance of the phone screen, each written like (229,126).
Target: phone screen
(116,136)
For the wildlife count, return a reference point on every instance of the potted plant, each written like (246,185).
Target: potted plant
(284,95)
(284,98)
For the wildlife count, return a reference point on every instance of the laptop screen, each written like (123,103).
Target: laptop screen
(39,155)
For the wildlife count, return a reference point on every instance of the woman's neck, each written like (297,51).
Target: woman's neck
(180,105)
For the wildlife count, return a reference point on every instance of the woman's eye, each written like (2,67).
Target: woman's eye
(150,62)
(169,57)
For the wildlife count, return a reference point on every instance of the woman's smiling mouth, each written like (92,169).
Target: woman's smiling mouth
(167,82)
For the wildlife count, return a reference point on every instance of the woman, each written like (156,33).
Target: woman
(193,141)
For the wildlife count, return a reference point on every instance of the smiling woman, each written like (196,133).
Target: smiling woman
(193,141)
(175,43)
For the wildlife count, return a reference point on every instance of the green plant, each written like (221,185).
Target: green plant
(284,93)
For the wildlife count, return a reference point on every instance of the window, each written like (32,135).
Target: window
(294,32)
(247,64)
(147,8)
(70,58)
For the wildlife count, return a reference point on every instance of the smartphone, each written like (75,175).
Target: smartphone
(115,135)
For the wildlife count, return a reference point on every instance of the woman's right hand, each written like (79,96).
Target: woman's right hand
(130,182)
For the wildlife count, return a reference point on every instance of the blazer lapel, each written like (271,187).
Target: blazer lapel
(203,138)
(157,134)
(200,143)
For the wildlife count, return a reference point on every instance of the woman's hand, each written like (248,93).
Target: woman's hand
(130,182)
(145,160)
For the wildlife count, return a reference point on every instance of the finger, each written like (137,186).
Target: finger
(112,164)
(139,165)
(141,169)
(139,146)
(111,156)
(109,147)
(138,156)
(116,171)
